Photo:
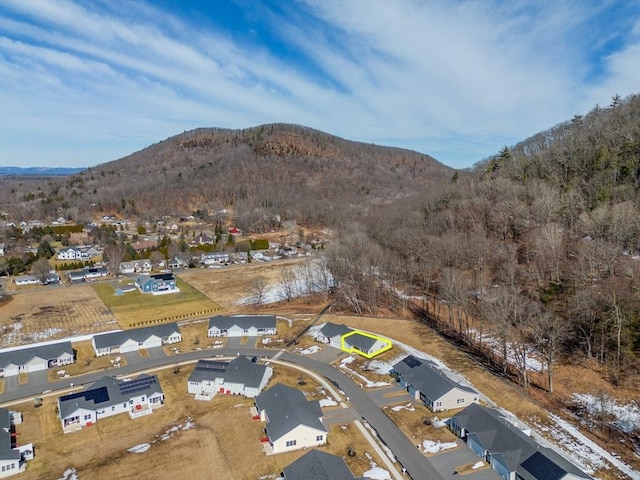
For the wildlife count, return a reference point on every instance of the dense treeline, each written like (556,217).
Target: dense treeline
(534,252)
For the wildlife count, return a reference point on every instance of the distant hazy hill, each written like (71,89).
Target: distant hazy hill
(38,171)
(272,171)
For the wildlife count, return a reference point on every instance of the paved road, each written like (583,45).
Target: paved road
(417,465)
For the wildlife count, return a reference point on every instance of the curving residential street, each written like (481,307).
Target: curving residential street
(411,458)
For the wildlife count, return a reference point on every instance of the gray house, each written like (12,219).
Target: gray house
(132,340)
(318,465)
(240,376)
(107,397)
(33,359)
(241,326)
(426,382)
(292,421)
(510,451)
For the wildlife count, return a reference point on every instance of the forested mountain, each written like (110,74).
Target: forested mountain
(272,171)
(536,250)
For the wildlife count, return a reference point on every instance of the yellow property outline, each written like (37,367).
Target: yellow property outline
(365,334)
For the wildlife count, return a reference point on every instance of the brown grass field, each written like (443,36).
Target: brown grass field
(45,313)
(224,443)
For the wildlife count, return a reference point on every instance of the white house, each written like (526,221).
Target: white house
(33,359)
(107,397)
(428,383)
(81,253)
(332,333)
(214,258)
(240,376)
(293,422)
(241,326)
(135,266)
(23,280)
(132,340)
(13,457)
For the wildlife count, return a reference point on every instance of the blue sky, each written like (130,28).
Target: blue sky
(86,82)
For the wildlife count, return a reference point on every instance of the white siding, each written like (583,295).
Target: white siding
(9,468)
(303,436)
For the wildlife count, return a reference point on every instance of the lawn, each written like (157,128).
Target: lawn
(220,443)
(135,309)
(86,361)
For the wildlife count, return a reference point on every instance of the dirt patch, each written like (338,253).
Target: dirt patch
(47,313)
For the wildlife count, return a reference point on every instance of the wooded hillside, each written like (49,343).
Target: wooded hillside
(284,171)
(534,253)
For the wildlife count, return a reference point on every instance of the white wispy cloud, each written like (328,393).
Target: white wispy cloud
(453,79)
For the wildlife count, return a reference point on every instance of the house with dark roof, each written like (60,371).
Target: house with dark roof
(158,284)
(332,333)
(508,449)
(292,421)
(132,340)
(241,326)
(13,456)
(318,465)
(107,397)
(32,359)
(428,383)
(239,376)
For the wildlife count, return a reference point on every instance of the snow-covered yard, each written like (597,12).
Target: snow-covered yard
(376,472)
(364,380)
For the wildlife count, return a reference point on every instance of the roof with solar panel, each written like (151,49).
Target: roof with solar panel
(108,391)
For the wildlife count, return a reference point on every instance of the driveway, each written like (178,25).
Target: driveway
(388,395)
(239,343)
(448,461)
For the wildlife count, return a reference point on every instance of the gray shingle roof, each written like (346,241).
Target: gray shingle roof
(331,330)
(108,391)
(520,452)
(363,342)
(240,370)
(318,465)
(24,355)
(223,322)
(6,452)
(115,339)
(287,408)
(427,377)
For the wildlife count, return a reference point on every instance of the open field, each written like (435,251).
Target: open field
(223,443)
(46,313)
(134,308)
(226,285)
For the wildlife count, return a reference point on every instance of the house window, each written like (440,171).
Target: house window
(460,400)
(291,443)
(124,405)
(319,438)
(438,404)
(113,408)
(87,416)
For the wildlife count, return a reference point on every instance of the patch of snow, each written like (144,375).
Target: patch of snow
(437,423)
(328,402)
(408,407)
(627,416)
(69,474)
(429,446)
(311,350)
(140,448)
(347,360)
(477,465)
(266,341)
(377,473)
(380,367)
(584,449)
(368,383)
(188,424)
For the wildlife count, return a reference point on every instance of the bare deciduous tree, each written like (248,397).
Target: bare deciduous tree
(257,290)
